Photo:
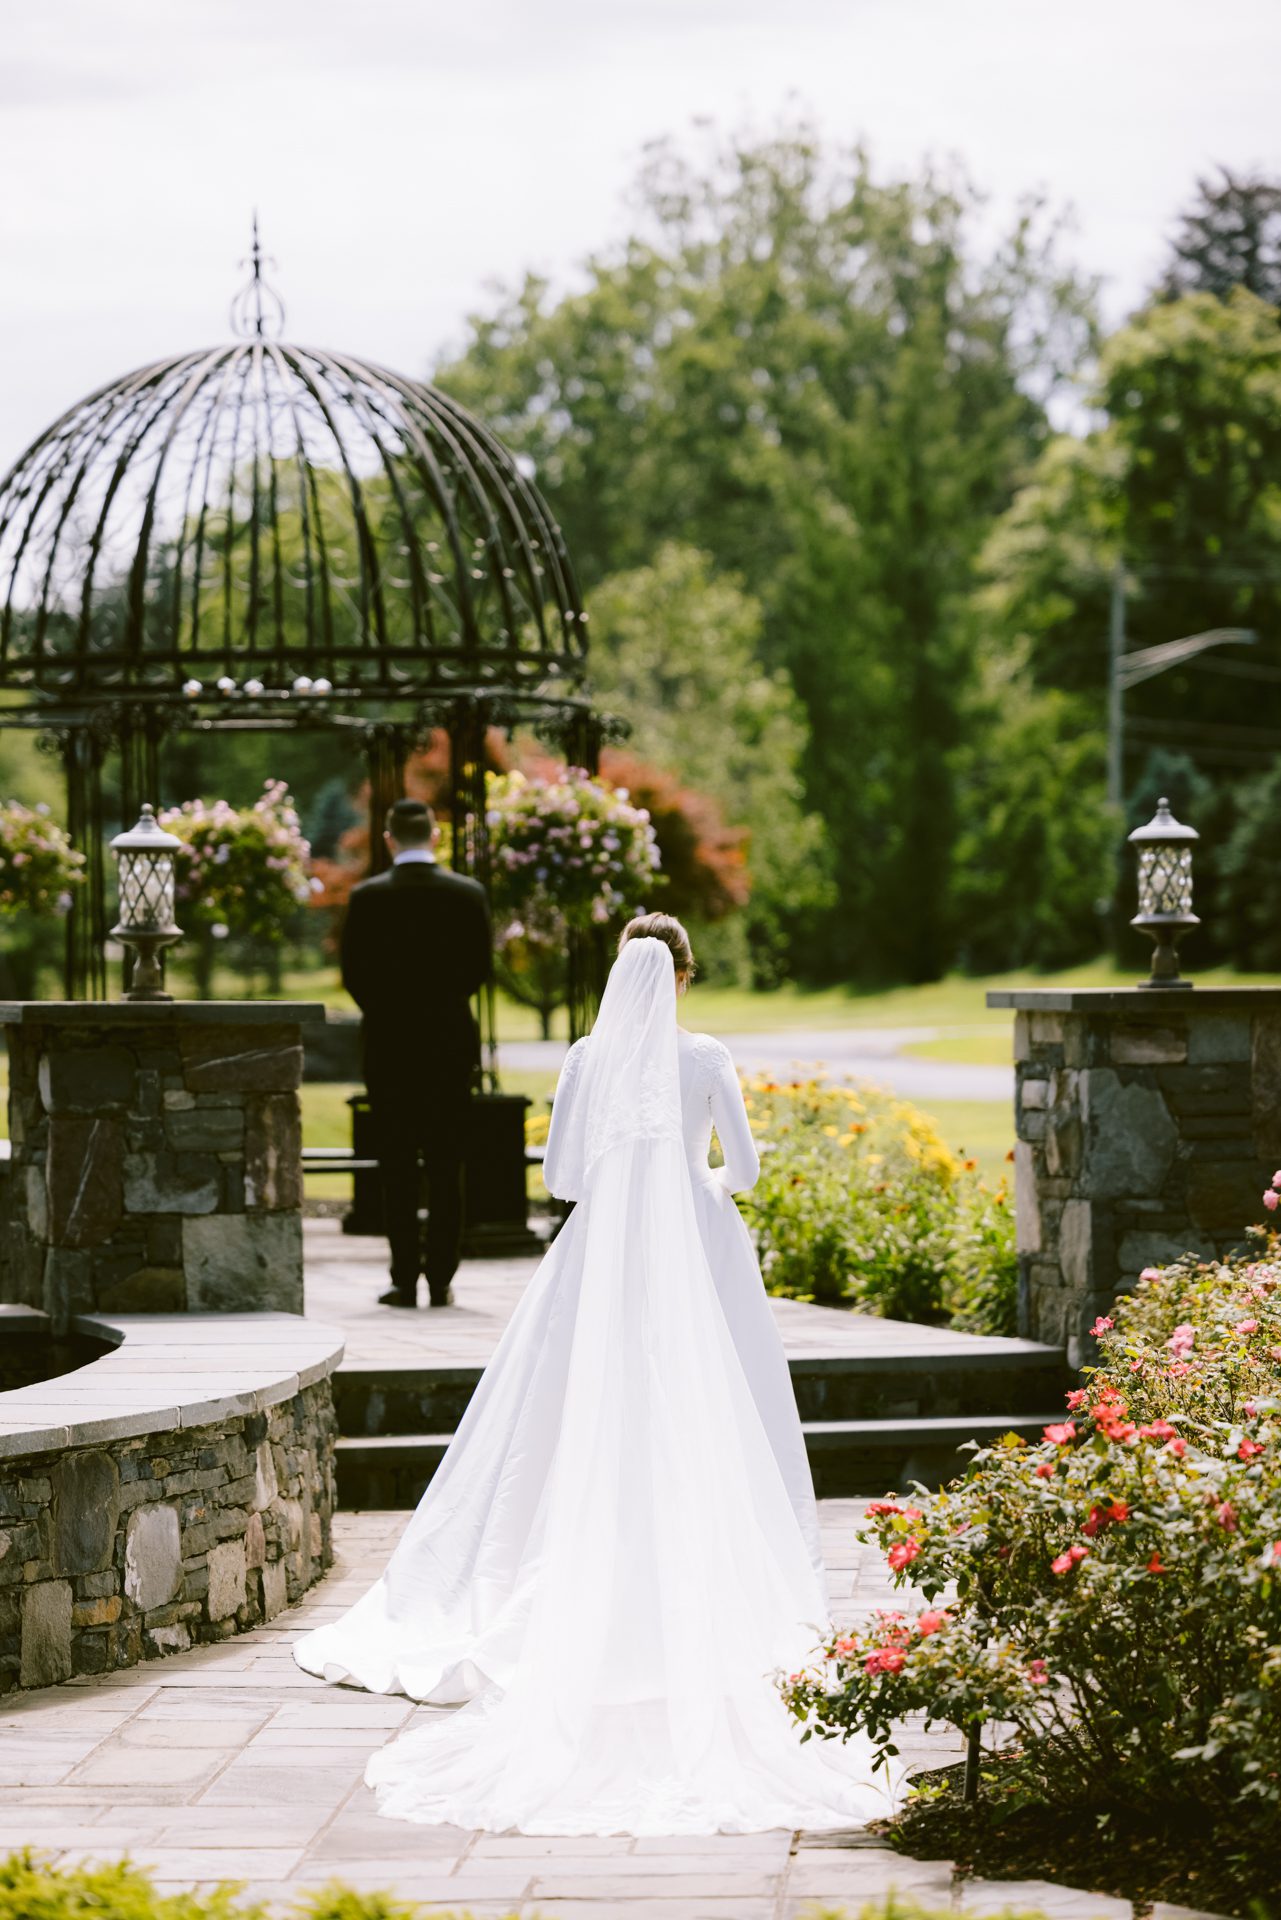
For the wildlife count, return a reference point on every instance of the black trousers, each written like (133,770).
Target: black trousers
(419,1125)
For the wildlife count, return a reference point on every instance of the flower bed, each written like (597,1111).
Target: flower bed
(1113,1593)
(861,1202)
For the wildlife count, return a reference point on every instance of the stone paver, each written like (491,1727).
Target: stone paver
(345,1274)
(227,1762)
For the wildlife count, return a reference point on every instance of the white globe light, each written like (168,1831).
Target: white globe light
(191,688)
(253,688)
(322,686)
(302,684)
(226,684)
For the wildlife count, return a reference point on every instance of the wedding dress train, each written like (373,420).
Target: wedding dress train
(620,1548)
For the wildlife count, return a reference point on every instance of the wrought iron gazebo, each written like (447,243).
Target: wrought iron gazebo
(267,536)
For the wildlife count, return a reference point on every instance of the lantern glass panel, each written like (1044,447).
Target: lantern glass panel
(146,889)
(1165,879)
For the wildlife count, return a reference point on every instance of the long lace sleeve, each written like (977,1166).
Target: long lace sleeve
(733,1130)
(563,1181)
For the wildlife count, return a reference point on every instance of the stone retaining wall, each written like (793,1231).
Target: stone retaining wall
(1148,1124)
(116,1553)
(156,1159)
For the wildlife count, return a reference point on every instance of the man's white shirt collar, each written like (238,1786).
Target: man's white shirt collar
(408,854)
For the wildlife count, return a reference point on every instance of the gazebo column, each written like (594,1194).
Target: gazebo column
(81,747)
(387,745)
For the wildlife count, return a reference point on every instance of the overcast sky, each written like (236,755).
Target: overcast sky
(403,153)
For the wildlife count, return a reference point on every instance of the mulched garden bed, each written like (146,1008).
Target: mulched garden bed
(1181,1859)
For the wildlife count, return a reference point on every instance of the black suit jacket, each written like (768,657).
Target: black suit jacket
(415,947)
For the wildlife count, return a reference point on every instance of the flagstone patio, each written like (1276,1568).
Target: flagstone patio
(228,1762)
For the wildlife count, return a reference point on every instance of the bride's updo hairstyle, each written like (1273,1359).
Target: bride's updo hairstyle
(667,928)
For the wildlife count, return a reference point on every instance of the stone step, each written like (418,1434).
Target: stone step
(929,1380)
(847,1457)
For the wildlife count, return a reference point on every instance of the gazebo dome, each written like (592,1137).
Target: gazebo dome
(260,521)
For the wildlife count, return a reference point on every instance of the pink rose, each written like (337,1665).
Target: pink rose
(931,1622)
(1063,1433)
(1036,1673)
(1150,1274)
(902,1554)
(1246,1326)
(1272,1199)
(1226,1515)
(1183,1339)
(1102,1325)
(1248,1449)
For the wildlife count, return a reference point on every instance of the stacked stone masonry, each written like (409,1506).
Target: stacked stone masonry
(118,1553)
(1148,1124)
(156,1159)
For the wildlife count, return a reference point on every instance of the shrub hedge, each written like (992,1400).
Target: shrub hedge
(862,1203)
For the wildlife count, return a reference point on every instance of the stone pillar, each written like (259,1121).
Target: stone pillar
(156,1156)
(1148,1123)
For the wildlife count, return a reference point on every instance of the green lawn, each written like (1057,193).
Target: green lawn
(973,1046)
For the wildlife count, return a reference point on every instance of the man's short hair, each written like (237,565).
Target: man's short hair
(411,822)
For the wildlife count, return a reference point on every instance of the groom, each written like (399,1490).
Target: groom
(415,947)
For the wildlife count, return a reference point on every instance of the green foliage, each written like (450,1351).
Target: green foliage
(822,379)
(860,1202)
(1249,876)
(1115,1591)
(1035,854)
(31,1889)
(676,648)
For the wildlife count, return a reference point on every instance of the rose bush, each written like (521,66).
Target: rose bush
(861,1201)
(1114,1591)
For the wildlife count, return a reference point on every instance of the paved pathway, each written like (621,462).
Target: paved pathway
(345,1273)
(843,1053)
(229,1763)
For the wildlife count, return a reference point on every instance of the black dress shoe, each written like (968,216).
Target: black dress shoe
(443,1298)
(397,1299)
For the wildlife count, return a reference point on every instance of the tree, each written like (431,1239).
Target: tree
(676,649)
(1180,483)
(1035,855)
(820,379)
(1230,236)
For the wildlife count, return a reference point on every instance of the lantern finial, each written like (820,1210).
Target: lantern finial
(1165,891)
(144,857)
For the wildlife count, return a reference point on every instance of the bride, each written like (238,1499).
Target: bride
(620,1548)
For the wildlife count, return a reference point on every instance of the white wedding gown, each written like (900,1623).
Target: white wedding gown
(620,1548)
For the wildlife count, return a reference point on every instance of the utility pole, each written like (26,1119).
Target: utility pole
(1116,696)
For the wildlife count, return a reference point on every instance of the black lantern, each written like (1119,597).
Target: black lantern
(1165,891)
(146,874)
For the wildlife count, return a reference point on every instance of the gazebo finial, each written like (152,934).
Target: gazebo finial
(257,309)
